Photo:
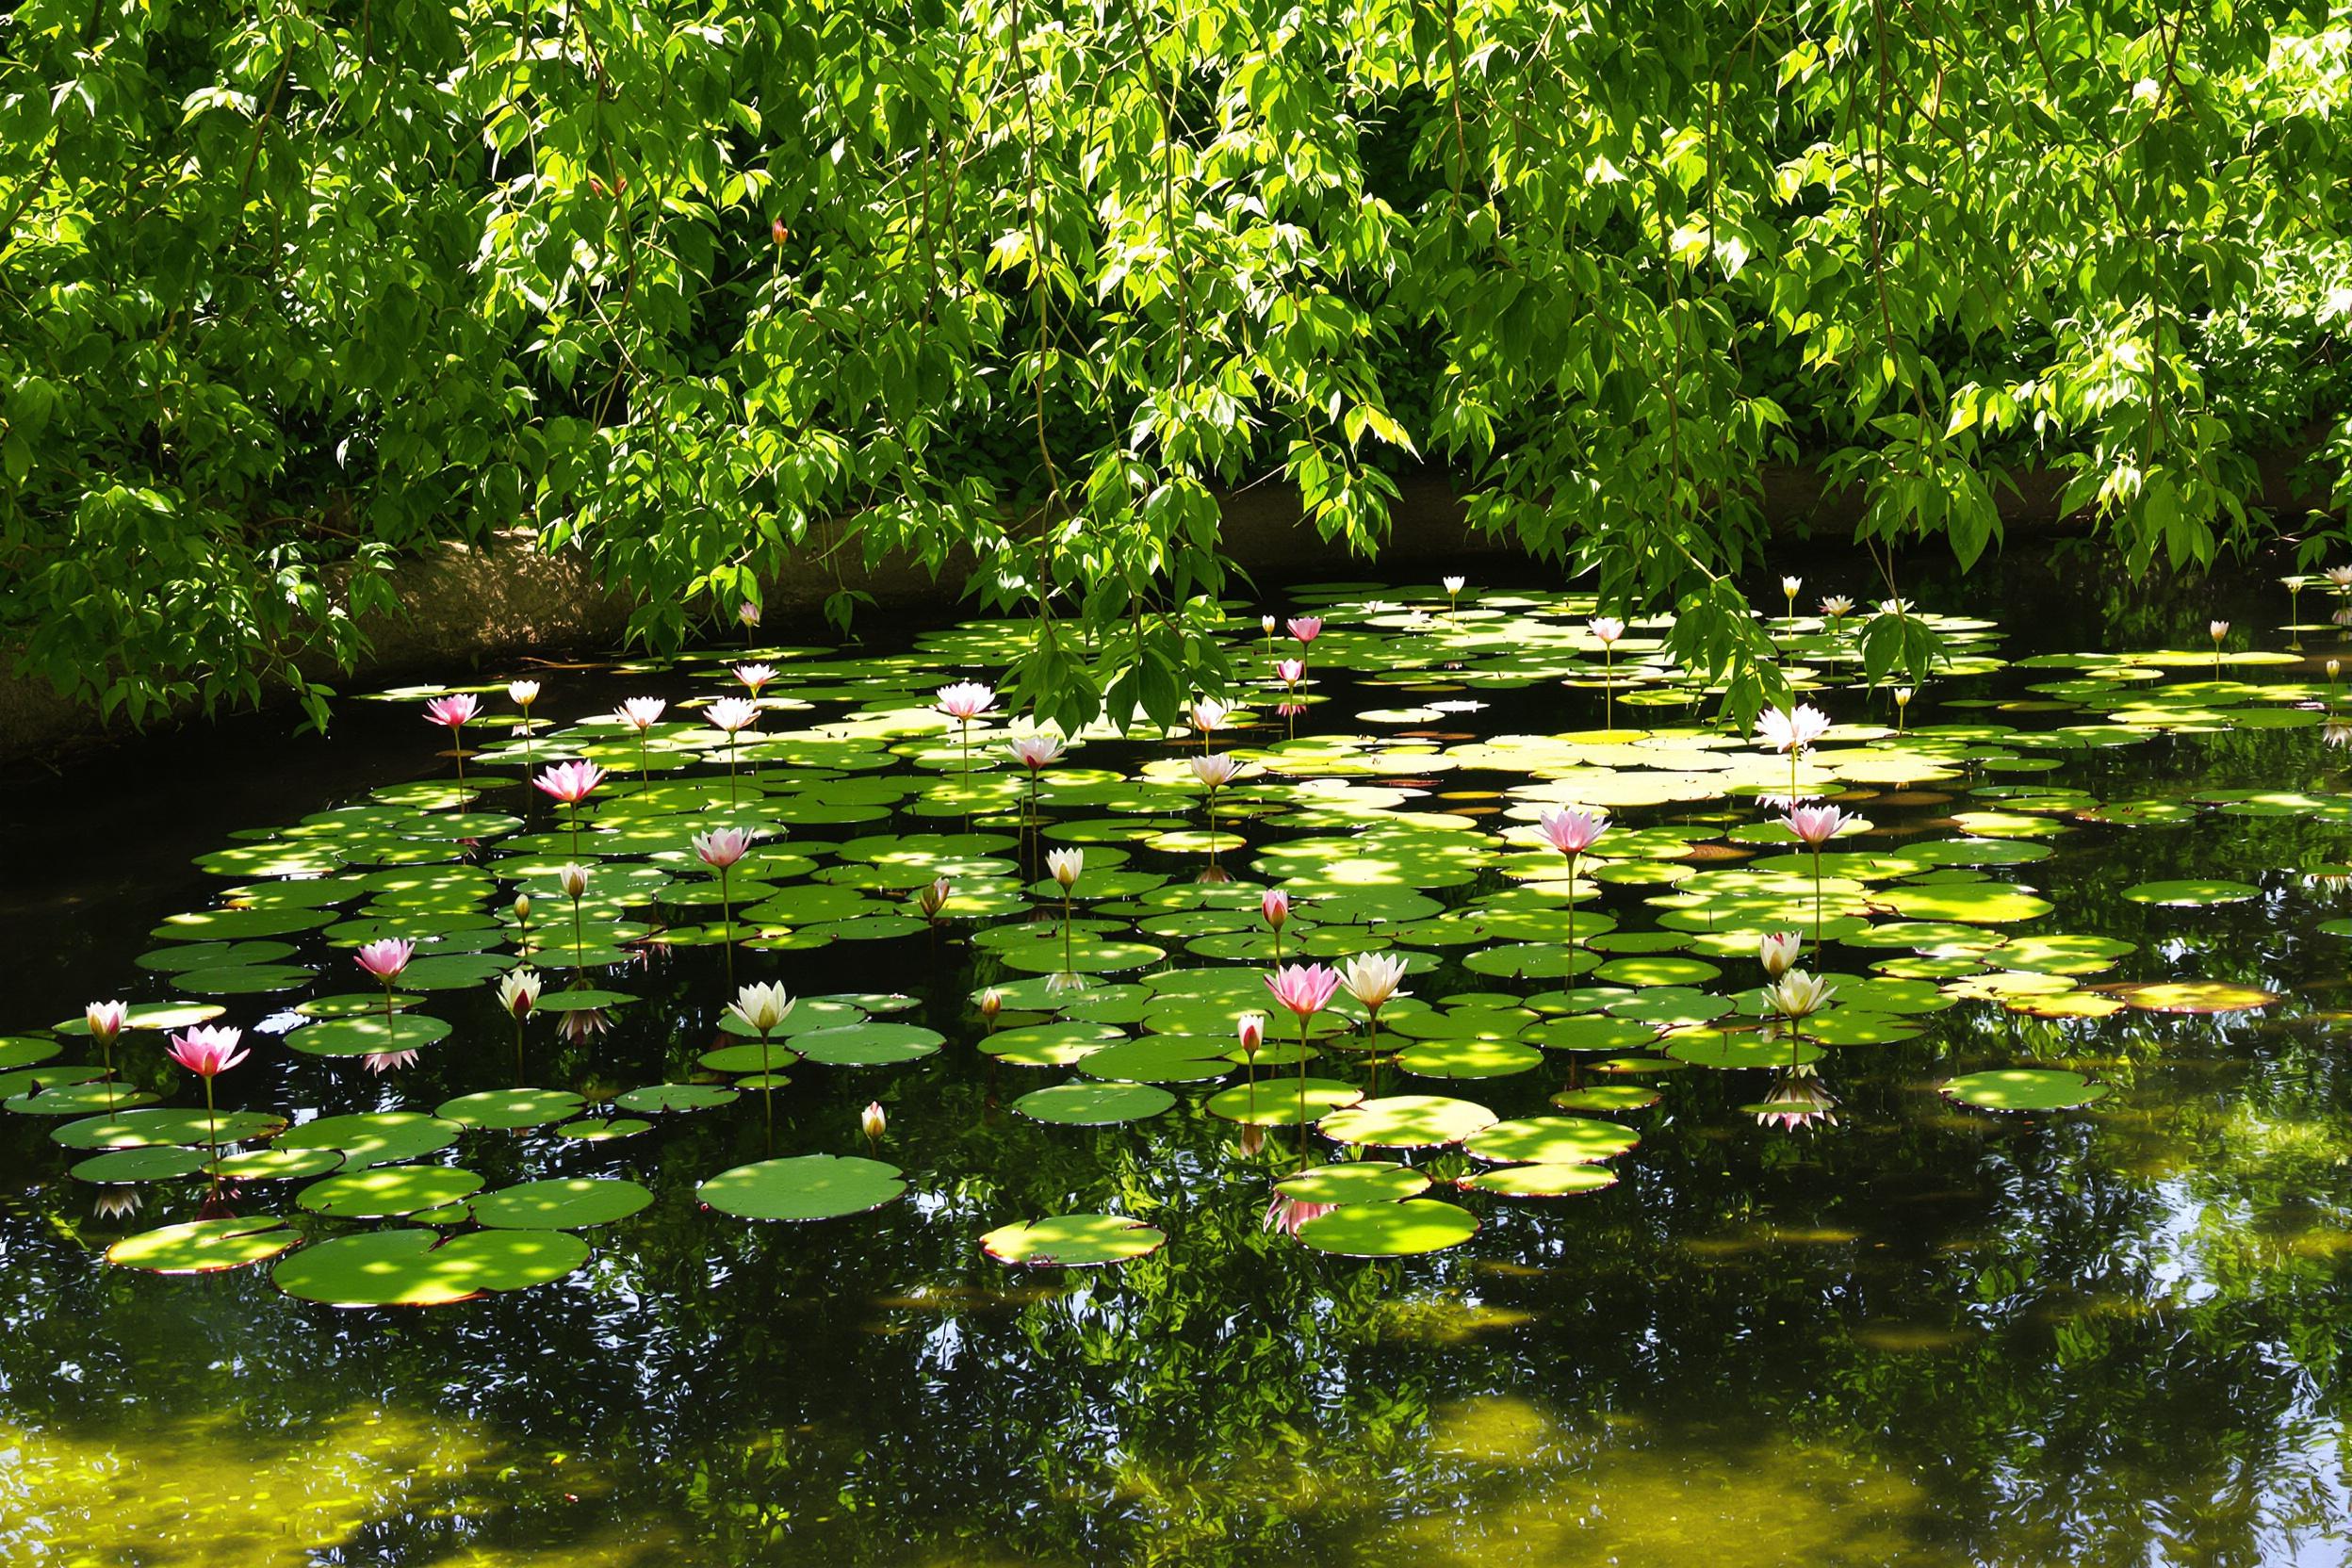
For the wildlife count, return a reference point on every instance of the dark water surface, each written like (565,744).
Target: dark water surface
(1922,1334)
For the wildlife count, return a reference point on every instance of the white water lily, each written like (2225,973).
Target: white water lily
(1372,978)
(1064,865)
(762,1006)
(1797,994)
(519,991)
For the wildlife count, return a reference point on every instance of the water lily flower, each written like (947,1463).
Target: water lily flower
(871,1120)
(991,1004)
(1250,1031)
(389,1061)
(1208,714)
(731,715)
(519,991)
(2336,732)
(573,879)
(966,700)
(208,1049)
(1836,607)
(1815,825)
(933,897)
(1454,584)
(1305,628)
(755,675)
(762,1006)
(570,782)
(1266,623)
(1215,770)
(2219,630)
(1608,628)
(1797,994)
(722,847)
(452,713)
(118,1203)
(1798,1098)
(1372,978)
(522,694)
(1789,586)
(1064,866)
(1306,989)
(749,611)
(1787,730)
(1777,949)
(578,1025)
(641,713)
(107,1019)
(522,909)
(1275,906)
(1035,751)
(1572,830)
(384,958)
(2335,667)
(1290,671)
(2340,576)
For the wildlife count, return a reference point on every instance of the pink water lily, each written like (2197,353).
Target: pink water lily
(1035,751)
(1275,906)
(107,1019)
(1305,628)
(453,712)
(1306,989)
(1573,829)
(1250,1032)
(388,1061)
(385,957)
(1815,825)
(722,847)
(1606,627)
(1290,671)
(1291,1214)
(570,782)
(209,1050)
(1208,714)
(966,700)
(748,612)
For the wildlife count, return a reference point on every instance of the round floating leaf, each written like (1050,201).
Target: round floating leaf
(749,1058)
(1357,1181)
(2191,893)
(1161,1060)
(564,1205)
(1607,1097)
(375,1138)
(2195,996)
(76,1098)
(1389,1230)
(510,1108)
(1746,1049)
(367,1033)
(869,1044)
(1551,1140)
(1593,1033)
(388,1190)
(1072,1241)
(807,1186)
(410,1267)
(1539,1181)
(675,1097)
(20,1051)
(160,1163)
(1094,1104)
(1469,1058)
(1406,1121)
(140,1129)
(2024,1089)
(204,1246)
(1280,1101)
(276,1165)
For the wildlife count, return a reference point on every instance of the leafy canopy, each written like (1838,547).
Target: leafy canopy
(1016,287)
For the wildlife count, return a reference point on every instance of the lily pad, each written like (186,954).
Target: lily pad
(1356,1182)
(1072,1241)
(567,1204)
(204,1246)
(387,1191)
(1406,1121)
(805,1187)
(2021,1088)
(1389,1230)
(411,1267)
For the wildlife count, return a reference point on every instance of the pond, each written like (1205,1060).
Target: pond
(2027,1243)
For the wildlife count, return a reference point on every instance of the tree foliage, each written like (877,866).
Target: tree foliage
(288,290)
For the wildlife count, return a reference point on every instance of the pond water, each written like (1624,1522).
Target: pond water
(1863,1309)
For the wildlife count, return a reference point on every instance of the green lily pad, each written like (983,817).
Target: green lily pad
(807,1186)
(869,1044)
(142,1129)
(1356,1182)
(1469,1058)
(1607,1097)
(510,1108)
(388,1190)
(676,1097)
(1406,1121)
(2023,1088)
(367,1033)
(157,1163)
(204,1246)
(411,1267)
(1280,1101)
(1551,1140)
(2191,892)
(375,1138)
(567,1204)
(1539,1181)
(1072,1241)
(1389,1230)
(1094,1104)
